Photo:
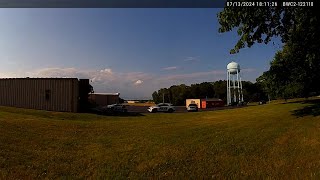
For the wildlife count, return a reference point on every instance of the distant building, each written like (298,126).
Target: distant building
(52,94)
(205,103)
(193,101)
(132,101)
(103,99)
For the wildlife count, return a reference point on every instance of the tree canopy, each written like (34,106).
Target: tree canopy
(260,24)
(295,70)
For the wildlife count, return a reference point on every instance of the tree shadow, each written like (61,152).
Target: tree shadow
(303,101)
(313,109)
(120,114)
(124,114)
(294,102)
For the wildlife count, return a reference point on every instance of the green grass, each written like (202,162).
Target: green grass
(267,141)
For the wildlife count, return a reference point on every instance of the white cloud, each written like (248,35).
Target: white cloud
(106,71)
(7,75)
(189,59)
(129,84)
(138,82)
(248,70)
(170,68)
(54,72)
(193,75)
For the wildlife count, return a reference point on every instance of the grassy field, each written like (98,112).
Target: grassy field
(269,141)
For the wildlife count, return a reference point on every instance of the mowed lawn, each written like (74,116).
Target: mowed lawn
(266,141)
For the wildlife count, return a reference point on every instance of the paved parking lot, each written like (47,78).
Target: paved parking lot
(179,109)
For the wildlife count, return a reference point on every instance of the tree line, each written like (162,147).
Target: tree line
(177,94)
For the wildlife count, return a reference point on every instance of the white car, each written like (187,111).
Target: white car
(192,107)
(162,107)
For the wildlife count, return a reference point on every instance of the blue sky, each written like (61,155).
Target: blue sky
(131,51)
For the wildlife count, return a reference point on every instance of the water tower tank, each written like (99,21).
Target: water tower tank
(233,67)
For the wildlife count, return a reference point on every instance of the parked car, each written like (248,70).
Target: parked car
(192,107)
(116,108)
(162,107)
(262,102)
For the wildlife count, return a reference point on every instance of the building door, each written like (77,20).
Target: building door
(203,104)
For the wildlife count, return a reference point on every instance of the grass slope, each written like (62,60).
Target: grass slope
(268,141)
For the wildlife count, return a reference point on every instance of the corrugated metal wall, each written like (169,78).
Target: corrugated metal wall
(53,94)
(104,100)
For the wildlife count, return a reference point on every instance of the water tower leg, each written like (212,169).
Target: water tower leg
(227,88)
(234,89)
(241,89)
(238,87)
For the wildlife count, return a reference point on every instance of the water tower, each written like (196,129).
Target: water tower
(234,84)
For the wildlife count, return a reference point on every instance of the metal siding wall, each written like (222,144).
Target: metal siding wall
(112,99)
(9,97)
(75,95)
(69,95)
(20,99)
(7,94)
(103,100)
(13,90)
(30,93)
(2,92)
(31,99)
(71,98)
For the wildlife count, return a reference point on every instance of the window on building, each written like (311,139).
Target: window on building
(48,94)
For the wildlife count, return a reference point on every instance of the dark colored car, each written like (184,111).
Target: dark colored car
(262,102)
(116,108)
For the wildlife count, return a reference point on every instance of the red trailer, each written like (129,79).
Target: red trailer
(211,103)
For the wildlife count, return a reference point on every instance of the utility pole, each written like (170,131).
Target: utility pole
(162,97)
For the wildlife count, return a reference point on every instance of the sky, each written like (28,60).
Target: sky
(131,51)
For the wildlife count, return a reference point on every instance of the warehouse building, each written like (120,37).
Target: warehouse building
(104,99)
(205,103)
(52,94)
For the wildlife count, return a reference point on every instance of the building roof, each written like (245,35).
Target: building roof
(114,94)
(212,99)
(37,78)
(208,99)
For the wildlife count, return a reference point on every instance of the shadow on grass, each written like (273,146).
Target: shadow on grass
(313,109)
(294,102)
(121,114)
(303,101)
